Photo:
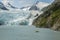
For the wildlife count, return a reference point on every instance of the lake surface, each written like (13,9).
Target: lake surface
(18,32)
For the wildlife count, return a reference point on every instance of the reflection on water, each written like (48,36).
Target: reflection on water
(18,32)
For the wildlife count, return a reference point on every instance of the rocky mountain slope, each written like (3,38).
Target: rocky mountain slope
(50,18)
(7,6)
(12,6)
(2,6)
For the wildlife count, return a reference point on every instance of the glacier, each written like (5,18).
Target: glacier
(17,16)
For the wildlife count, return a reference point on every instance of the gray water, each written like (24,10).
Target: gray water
(18,32)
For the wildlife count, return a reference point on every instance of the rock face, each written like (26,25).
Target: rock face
(12,6)
(2,6)
(50,17)
(34,8)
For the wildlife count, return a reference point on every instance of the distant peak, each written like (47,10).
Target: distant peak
(11,5)
(2,6)
(37,2)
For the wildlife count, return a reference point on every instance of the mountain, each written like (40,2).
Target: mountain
(34,7)
(50,18)
(25,8)
(7,6)
(2,6)
(12,6)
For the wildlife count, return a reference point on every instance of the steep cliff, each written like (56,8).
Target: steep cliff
(50,17)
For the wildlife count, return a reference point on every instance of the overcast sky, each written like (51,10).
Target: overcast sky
(22,3)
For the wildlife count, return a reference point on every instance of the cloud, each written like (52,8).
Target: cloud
(42,5)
